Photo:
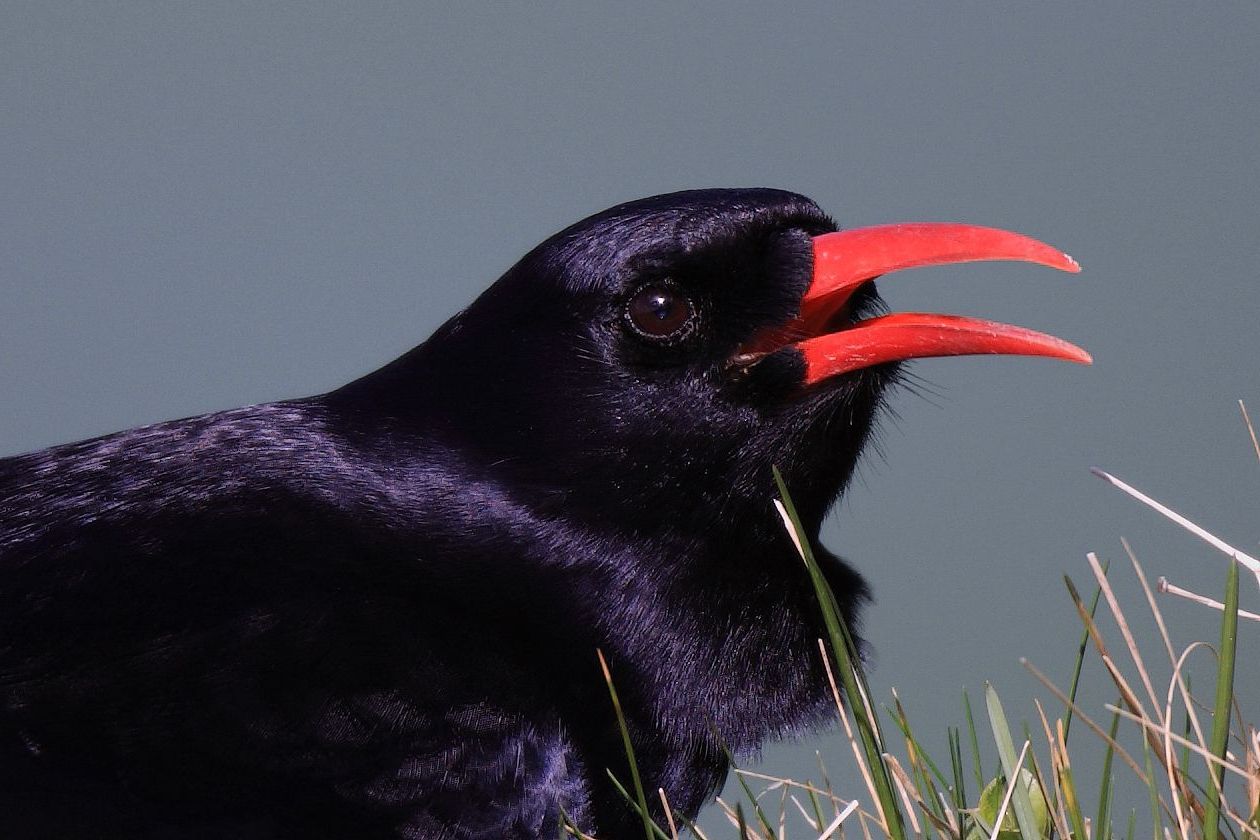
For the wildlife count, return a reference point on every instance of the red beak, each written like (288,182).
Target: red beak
(845,260)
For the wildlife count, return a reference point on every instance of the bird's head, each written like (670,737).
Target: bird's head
(653,361)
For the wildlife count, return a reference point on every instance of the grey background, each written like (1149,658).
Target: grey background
(207,205)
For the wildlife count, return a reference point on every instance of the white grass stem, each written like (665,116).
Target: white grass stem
(1077,711)
(1168,587)
(834,825)
(903,782)
(947,808)
(1118,614)
(787,524)
(669,814)
(777,782)
(1010,791)
(1206,755)
(1255,444)
(1172,657)
(853,744)
(1057,763)
(1248,562)
(810,821)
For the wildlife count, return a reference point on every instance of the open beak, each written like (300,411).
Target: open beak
(845,260)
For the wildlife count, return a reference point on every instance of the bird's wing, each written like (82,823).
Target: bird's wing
(205,608)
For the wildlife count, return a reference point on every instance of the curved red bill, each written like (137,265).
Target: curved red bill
(845,260)
(914,335)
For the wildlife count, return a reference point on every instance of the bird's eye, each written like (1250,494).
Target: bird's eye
(660,311)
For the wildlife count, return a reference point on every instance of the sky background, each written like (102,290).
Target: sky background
(211,205)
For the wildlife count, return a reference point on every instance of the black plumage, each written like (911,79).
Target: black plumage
(374,613)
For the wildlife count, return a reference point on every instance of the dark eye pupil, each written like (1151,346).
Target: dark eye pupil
(659,311)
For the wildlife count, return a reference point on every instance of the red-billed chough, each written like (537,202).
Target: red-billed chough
(374,613)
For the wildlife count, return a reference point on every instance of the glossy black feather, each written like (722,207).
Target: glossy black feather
(374,613)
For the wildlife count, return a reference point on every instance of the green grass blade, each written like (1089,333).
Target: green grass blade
(743,825)
(1187,728)
(915,748)
(657,832)
(922,768)
(752,797)
(826,780)
(975,743)
(959,788)
(1221,708)
(1020,802)
(1102,826)
(1080,655)
(1071,803)
(567,826)
(849,672)
(816,806)
(650,829)
(1157,815)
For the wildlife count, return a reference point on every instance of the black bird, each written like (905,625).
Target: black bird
(375,612)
